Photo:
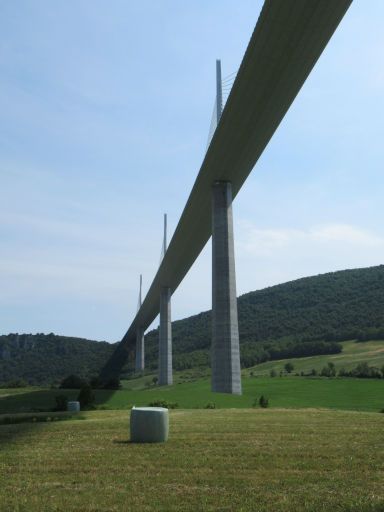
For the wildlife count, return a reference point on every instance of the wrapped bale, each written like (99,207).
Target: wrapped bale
(149,425)
(73,406)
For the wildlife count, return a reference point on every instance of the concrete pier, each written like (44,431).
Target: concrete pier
(165,340)
(226,376)
(139,365)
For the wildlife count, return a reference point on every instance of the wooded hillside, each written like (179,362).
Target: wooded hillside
(299,318)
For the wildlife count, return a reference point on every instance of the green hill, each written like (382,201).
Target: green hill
(353,353)
(46,359)
(302,318)
(299,318)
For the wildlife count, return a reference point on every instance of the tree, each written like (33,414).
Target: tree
(16,383)
(86,396)
(364,371)
(61,402)
(329,370)
(263,402)
(72,382)
(112,383)
(288,367)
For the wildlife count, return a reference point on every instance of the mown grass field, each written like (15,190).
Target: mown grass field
(287,392)
(319,447)
(224,460)
(371,352)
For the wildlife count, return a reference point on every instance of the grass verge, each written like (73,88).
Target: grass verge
(227,460)
(287,392)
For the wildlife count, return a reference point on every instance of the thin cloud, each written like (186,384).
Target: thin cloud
(258,241)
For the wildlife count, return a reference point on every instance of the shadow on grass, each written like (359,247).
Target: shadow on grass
(36,405)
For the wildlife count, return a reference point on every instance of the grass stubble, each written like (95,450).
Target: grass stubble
(223,459)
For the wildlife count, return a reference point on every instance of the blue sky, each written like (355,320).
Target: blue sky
(105,112)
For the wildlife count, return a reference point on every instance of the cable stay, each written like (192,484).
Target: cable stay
(223,90)
(164,244)
(139,301)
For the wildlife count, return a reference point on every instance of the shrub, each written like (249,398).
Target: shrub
(273,373)
(96,383)
(86,396)
(263,402)
(72,382)
(210,405)
(364,371)
(328,371)
(164,403)
(16,383)
(113,383)
(288,367)
(61,402)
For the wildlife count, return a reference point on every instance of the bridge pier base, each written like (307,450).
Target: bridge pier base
(226,375)
(139,364)
(165,340)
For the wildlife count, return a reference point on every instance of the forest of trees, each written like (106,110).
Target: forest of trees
(47,359)
(305,317)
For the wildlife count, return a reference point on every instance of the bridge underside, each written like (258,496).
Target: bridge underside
(288,39)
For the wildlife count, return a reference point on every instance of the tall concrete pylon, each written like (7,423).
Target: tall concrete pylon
(226,374)
(139,363)
(165,331)
(165,338)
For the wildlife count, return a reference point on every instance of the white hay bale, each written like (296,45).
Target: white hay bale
(149,424)
(73,406)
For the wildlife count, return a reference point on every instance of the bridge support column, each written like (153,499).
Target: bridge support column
(226,375)
(139,366)
(165,341)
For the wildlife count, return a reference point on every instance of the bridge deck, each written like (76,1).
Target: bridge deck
(288,39)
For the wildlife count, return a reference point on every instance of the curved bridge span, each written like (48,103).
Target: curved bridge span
(288,39)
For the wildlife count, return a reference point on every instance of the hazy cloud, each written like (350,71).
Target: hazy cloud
(258,241)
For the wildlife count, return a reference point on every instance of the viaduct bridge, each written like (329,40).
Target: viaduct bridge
(288,39)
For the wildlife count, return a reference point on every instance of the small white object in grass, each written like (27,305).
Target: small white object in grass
(73,406)
(149,424)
